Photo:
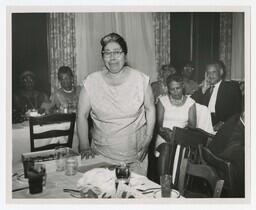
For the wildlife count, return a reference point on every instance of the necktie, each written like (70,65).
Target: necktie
(208,95)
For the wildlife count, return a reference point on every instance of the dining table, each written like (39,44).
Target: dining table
(57,181)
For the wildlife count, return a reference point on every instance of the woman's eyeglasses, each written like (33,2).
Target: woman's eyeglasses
(116,53)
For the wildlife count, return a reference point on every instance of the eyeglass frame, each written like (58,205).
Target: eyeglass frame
(115,53)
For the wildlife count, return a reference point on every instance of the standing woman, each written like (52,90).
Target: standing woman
(121,104)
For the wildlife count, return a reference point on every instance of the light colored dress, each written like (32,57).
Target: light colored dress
(118,115)
(174,116)
(62,99)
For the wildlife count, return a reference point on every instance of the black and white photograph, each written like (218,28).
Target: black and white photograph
(128,105)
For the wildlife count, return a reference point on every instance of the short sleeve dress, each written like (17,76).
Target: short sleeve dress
(118,114)
(62,99)
(174,116)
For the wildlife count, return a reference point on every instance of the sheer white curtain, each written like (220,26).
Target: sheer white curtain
(237,65)
(136,28)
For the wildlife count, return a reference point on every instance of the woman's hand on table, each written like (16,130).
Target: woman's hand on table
(87,153)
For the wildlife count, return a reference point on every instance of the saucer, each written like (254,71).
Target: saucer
(174,194)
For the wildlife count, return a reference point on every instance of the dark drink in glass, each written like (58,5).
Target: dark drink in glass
(35,181)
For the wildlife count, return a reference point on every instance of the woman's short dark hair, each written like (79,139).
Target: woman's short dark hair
(64,70)
(113,37)
(174,77)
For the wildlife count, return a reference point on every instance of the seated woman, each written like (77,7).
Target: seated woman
(65,97)
(190,86)
(28,98)
(173,110)
(160,87)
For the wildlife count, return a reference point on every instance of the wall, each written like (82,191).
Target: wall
(29,48)
(194,36)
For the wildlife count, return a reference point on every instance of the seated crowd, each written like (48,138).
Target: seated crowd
(173,101)
(177,107)
(28,98)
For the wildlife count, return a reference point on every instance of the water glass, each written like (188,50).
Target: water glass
(60,156)
(166,185)
(71,166)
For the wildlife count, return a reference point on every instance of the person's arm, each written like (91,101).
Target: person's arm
(164,132)
(199,95)
(159,114)
(150,118)
(83,111)
(192,116)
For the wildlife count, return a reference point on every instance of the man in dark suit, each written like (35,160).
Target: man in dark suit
(223,98)
(228,144)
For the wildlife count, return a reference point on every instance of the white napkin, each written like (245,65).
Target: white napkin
(104,179)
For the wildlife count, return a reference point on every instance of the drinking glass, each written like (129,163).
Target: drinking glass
(41,168)
(71,165)
(35,180)
(122,177)
(166,185)
(60,156)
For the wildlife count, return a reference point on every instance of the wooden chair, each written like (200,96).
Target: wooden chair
(202,171)
(51,119)
(187,144)
(225,170)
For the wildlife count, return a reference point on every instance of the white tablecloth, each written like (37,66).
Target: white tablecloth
(57,181)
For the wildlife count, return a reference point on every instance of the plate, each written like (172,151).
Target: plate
(174,194)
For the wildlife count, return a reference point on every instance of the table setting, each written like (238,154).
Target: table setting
(73,180)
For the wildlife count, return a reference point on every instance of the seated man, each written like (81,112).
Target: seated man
(223,98)
(228,144)
(28,98)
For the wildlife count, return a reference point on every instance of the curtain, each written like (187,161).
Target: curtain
(237,64)
(61,44)
(226,41)
(162,31)
(137,30)
(232,44)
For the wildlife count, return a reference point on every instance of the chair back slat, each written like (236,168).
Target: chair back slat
(51,119)
(51,134)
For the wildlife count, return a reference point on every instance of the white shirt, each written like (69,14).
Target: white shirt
(212,102)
